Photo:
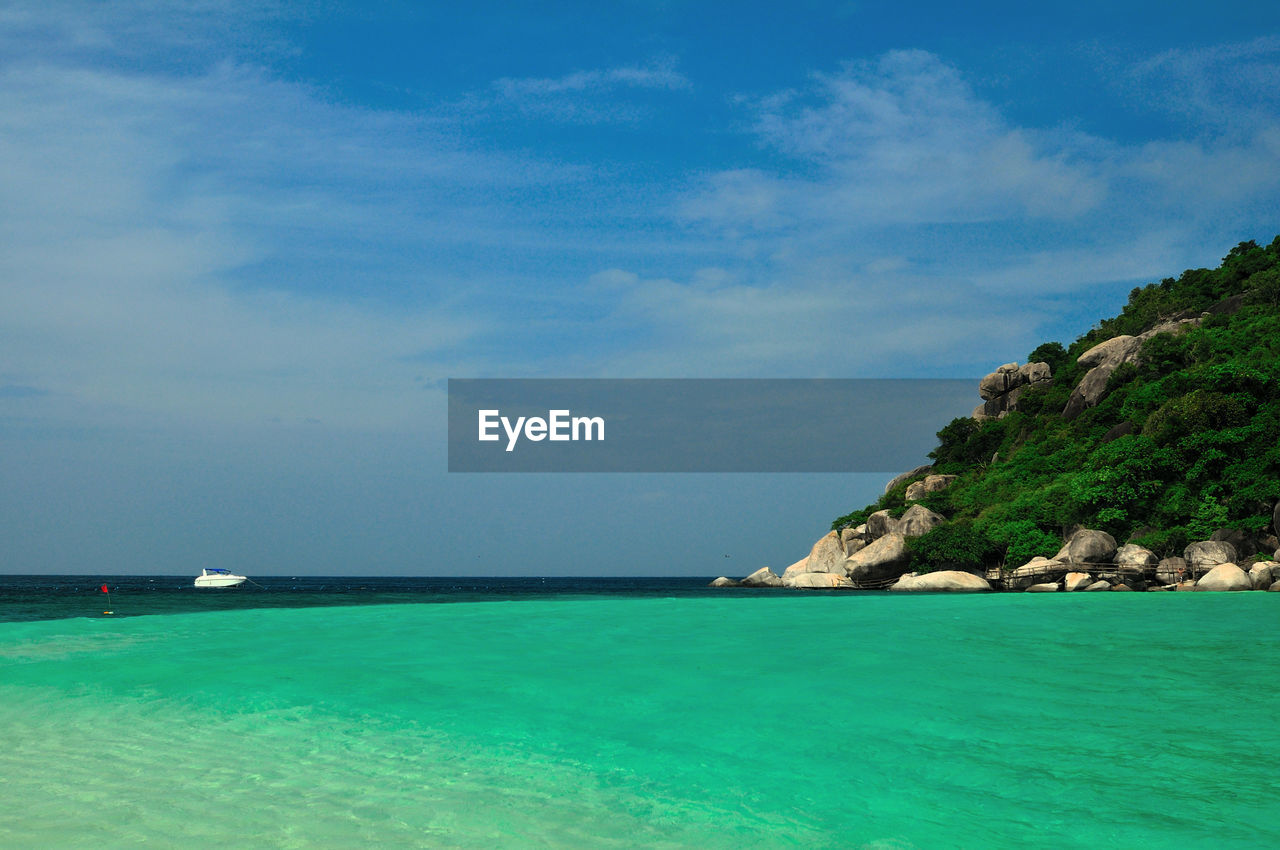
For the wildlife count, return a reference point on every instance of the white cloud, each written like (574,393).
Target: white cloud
(659,76)
(133,206)
(903,140)
(592,96)
(1227,85)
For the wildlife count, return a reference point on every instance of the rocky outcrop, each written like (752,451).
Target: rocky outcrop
(1088,546)
(906,476)
(1101,361)
(929,484)
(763,577)
(1113,352)
(1105,357)
(918,520)
(1262,575)
(1076,581)
(794,570)
(1135,557)
(723,582)
(826,556)
(1002,389)
(1245,544)
(884,559)
(852,540)
(817,581)
(951,581)
(879,524)
(1225,577)
(1207,554)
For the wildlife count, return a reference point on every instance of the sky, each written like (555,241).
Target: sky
(243,246)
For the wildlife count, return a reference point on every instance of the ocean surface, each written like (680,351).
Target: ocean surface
(631,713)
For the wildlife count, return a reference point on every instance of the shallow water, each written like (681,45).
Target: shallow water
(597,720)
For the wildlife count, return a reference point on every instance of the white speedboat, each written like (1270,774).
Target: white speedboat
(215,577)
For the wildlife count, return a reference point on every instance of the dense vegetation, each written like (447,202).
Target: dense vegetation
(1185,442)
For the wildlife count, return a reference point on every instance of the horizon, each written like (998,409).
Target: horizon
(247,245)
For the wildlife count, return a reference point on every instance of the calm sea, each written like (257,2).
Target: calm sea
(631,713)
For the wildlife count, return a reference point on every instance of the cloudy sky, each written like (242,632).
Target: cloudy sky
(244,244)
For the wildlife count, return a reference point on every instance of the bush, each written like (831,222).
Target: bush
(952,546)
(1050,352)
(1022,540)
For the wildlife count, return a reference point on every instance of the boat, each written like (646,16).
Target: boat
(215,577)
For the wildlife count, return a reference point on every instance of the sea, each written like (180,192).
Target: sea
(630,713)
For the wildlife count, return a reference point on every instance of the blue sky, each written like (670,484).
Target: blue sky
(243,245)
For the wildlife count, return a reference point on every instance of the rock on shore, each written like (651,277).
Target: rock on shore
(954,581)
(763,577)
(1225,577)
(884,559)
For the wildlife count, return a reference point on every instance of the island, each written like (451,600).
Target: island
(1159,427)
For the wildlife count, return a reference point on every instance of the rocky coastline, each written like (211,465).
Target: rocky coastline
(875,554)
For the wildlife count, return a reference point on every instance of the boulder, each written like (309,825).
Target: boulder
(827,555)
(723,582)
(884,559)
(1099,585)
(1206,554)
(816,581)
(928,484)
(1275,519)
(795,569)
(1101,361)
(1035,373)
(1136,563)
(1088,546)
(1121,586)
(851,540)
(1245,544)
(1112,353)
(1087,393)
(1077,581)
(918,520)
(1000,381)
(1176,325)
(1225,577)
(763,577)
(880,523)
(1047,587)
(1262,574)
(1115,432)
(1186,585)
(898,479)
(1275,585)
(1171,570)
(1135,557)
(955,581)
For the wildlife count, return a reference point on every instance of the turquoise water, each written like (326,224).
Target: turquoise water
(1106,720)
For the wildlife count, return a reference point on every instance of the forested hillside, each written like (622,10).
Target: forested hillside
(1178,436)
